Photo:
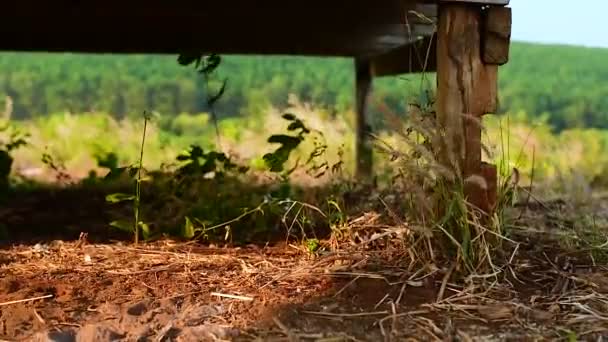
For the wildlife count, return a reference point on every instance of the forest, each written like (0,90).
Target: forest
(564,84)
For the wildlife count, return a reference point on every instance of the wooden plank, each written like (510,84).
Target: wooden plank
(363,148)
(133,36)
(271,27)
(466,90)
(496,35)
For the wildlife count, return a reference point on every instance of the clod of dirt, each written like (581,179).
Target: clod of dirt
(10,286)
(63,293)
(138,309)
(196,315)
(167,332)
(99,332)
(206,333)
(55,336)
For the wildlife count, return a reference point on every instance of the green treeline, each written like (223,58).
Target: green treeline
(568,85)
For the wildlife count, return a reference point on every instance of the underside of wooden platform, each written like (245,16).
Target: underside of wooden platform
(358,28)
(463,40)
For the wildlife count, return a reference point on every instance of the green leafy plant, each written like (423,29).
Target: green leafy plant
(199,229)
(312,245)
(56,165)
(196,161)
(276,160)
(109,161)
(137,224)
(206,64)
(14,140)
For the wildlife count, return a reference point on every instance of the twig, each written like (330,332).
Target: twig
(401,293)
(403,314)
(346,315)
(284,328)
(38,317)
(236,219)
(381,301)
(224,295)
(444,283)
(346,286)
(163,332)
(69,324)
(25,300)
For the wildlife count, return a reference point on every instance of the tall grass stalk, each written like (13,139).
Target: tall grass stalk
(137,200)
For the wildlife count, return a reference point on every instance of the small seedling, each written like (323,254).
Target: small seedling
(136,198)
(312,245)
(15,140)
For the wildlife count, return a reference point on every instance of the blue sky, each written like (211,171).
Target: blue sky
(577,22)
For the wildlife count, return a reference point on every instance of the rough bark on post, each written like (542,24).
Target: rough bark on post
(363,148)
(496,35)
(466,89)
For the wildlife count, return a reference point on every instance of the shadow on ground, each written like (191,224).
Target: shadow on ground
(243,209)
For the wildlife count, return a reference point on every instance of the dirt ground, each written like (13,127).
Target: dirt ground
(76,291)
(58,287)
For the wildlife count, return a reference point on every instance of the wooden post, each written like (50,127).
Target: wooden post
(363,148)
(466,90)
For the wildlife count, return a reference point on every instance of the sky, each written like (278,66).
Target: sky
(575,22)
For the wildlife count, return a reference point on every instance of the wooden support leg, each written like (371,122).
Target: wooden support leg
(363,148)
(466,89)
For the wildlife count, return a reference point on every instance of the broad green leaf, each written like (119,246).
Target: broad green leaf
(188,229)
(284,139)
(119,197)
(211,63)
(184,157)
(122,225)
(108,160)
(297,125)
(145,230)
(188,58)
(289,116)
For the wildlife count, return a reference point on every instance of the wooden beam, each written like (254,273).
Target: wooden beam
(496,35)
(363,148)
(478,2)
(466,91)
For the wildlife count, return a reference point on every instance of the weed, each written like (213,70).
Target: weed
(135,198)
(198,162)
(57,166)
(206,65)
(434,190)
(312,245)
(277,159)
(14,140)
